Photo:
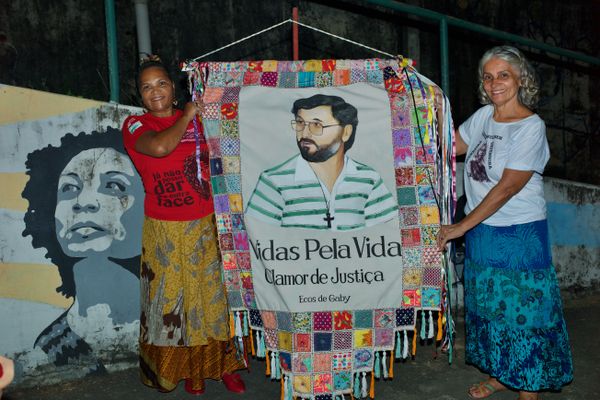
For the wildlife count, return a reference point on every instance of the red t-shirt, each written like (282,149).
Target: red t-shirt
(173,192)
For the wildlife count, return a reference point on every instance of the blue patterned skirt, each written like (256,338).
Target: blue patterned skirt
(515,330)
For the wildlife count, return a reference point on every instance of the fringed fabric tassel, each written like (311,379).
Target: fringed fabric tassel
(398,342)
(363,383)
(405,346)
(283,394)
(372,388)
(231,325)
(268,362)
(430,331)
(245,323)
(289,388)
(384,364)
(391,371)
(273,365)
(376,368)
(277,366)
(238,324)
(252,348)
(414,343)
(356,391)
(261,352)
(439,327)
(422,325)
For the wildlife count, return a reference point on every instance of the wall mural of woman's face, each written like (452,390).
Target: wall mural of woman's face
(95,201)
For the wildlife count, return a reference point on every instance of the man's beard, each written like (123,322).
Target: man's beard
(321,154)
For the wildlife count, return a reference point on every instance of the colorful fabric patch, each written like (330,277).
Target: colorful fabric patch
(237,222)
(322,321)
(322,362)
(342,361)
(430,297)
(432,276)
(342,320)
(218,185)
(284,320)
(229,261)
(363,359)
(407,196)
(401,138)
(301,362)
(342,340)
(240,241)
(302,384)
(269,79)
(429,235)
(285,360)
(302,322)
(342,380)
(384,338)
(409,215)
(229,110)
(429,215)
(322,342)
(363,319)
(411,298)
(235,203)
(226,242)
(285,340)
(411,257)
(302,342)
(223,223)
(411,237)
(404,176)
(323,383)
(363,338)
(269,319)
(412,277)
(405,317)
(384,318)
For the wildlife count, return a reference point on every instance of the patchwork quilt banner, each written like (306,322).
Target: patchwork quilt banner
(326,183)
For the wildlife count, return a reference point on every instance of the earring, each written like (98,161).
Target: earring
(175,102)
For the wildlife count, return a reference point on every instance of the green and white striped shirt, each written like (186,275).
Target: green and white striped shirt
(291,195)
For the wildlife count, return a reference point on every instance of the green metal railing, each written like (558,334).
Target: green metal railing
(445,21)
(113,58)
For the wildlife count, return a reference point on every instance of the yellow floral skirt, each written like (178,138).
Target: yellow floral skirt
(184,323)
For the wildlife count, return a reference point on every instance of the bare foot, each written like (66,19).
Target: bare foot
(523,395)
(485,389)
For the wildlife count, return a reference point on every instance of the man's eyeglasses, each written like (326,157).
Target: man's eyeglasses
(314,127)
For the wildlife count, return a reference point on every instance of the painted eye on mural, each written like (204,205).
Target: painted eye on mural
(117,186)
(69,187)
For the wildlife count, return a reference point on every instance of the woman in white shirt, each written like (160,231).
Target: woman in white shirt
(515,330)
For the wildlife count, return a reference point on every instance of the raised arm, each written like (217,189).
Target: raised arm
(162,143)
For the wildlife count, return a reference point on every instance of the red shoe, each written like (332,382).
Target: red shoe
(189,388)
(234,383)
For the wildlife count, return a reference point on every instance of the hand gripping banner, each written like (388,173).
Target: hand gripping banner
(329,178)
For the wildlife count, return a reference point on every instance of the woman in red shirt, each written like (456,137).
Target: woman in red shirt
(184,320)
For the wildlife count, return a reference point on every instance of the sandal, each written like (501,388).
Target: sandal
(484,389)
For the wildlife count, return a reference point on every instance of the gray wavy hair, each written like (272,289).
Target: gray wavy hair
(529,89)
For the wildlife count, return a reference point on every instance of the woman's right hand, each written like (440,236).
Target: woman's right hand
(447,233)
(193,108)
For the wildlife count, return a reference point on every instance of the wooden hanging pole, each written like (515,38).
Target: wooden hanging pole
(295,30)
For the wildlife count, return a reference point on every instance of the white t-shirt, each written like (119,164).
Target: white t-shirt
(494,146)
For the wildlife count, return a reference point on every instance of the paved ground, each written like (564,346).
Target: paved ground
(426,378)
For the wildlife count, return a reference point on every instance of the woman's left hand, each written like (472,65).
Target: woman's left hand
(447,233)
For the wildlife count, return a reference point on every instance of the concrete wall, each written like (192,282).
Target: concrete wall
(574,226)
(70,237)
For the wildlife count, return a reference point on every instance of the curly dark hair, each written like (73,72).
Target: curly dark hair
(44,167)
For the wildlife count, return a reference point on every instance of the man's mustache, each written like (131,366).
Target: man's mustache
(307,141)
